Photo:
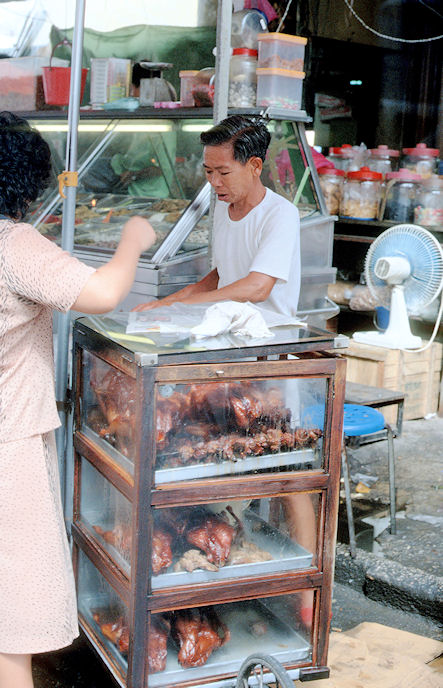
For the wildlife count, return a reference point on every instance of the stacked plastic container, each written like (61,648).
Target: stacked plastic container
(280,70)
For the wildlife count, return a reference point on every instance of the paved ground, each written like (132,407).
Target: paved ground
(399,584)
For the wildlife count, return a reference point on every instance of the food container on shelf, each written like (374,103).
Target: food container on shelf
(361,194)
(429,209)
(242,78)
(341,156)
(421,159)
(383,159)
(187,83)
(280,88)
(203,90)
(281,50)
(400,198)
(331,182)
(246,26)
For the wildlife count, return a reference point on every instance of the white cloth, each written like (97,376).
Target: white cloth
(266,240)
(232,316)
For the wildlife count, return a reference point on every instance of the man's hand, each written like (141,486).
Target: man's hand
(150,305)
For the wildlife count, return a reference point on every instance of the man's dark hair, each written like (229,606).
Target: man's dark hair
(250,138)
(25,165)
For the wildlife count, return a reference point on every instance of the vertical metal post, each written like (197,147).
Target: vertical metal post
(63,320)
(222,58)
(392,496)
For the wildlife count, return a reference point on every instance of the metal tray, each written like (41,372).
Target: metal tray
(287,555)
(280,641)
(250,463)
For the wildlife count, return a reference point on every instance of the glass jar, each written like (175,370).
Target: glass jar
(429,210)
(421,159)
(341,157)
(243,78)
(401,196)
(383,159)
(361,194)
(331,182)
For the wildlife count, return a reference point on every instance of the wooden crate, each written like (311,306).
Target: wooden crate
(416,374)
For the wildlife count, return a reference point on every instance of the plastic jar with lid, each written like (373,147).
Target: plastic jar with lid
(361,194)
(383,159)
(187,83)
(242,78)
(421,159)
(331,182)
(429,209)
(401,196)
(341,157)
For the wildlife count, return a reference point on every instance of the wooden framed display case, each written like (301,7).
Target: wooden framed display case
(205,501)
(150,163)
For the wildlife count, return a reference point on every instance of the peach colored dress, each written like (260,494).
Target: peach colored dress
(37,593)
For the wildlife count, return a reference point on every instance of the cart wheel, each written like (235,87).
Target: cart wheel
(253,668)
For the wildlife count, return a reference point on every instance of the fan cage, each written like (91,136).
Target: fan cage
(425,256)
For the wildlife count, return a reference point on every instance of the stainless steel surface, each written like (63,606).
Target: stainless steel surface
(287,556)
(280,640)
(251,463)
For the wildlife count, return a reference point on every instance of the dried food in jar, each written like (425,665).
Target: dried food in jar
(331,182)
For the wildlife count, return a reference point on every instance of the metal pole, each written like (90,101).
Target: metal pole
(222,58)
(63,320)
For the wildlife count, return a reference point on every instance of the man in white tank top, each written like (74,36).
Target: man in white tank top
(256,246)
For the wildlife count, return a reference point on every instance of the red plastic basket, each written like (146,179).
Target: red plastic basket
(56,82)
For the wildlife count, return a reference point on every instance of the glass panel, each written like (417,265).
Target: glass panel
(207,641)
(151,168)
(229,540)
(103,610)
(285,166)
(218,428)
(107,514)
(108,409)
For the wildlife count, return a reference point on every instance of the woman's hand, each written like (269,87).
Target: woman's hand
(140,231)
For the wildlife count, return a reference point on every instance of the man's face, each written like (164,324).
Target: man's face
(232,180)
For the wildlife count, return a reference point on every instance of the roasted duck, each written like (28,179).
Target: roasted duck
(198,633)
(157,641)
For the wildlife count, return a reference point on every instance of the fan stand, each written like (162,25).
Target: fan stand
(398,334)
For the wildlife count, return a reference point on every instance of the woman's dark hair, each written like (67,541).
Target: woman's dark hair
(250,138)
(25,165)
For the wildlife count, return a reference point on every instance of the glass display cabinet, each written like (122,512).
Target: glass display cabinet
(205,500)
(150,163)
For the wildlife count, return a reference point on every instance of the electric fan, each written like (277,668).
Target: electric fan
(404,272)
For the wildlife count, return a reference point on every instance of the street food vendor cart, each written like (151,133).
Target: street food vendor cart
(205,501)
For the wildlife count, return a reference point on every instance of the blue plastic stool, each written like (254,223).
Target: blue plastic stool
(358,420)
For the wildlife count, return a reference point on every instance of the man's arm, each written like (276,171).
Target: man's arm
(255,288)
(206,285)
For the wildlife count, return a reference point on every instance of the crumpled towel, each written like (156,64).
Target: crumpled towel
(232,316)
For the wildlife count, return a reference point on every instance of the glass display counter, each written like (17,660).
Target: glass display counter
(150,163)
(205,500)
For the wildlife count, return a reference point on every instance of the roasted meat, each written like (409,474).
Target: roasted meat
(161,550)
(119,537)
(171,412)
(212,534)
(194,559)
(198,632)
(117,630)
(157,640)
(115,393)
